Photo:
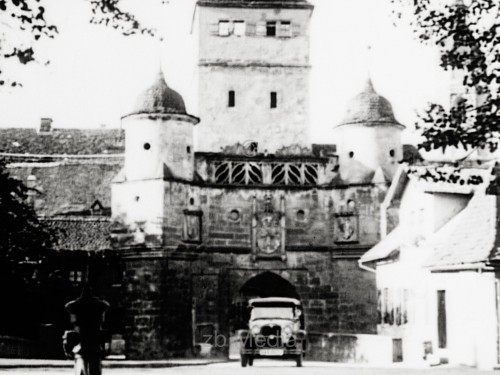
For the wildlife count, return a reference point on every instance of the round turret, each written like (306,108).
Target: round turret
(368,138)
(159,135)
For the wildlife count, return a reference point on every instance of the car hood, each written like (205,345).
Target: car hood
(272,322)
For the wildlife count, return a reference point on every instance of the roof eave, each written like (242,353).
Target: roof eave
(373,124)
(254,5)
(168,116)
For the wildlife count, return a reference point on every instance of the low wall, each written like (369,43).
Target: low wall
(349,348)
(15,347)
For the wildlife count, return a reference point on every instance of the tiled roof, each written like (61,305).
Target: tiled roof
(385,248)
(159,98)
(467,238)
(368,108)
(62,141)
(292,4)
(89,234)
(439,178)
(69,186)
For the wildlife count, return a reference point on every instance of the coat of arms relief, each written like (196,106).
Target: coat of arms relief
(268,229)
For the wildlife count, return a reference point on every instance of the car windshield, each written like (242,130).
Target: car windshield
(272,313)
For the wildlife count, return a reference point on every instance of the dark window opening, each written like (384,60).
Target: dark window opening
(271,28)
(274,100)
(231,102)
(191,201)
(234,215)
(392,153)
(301,215)
(147,146)
(188,149)
(351,154)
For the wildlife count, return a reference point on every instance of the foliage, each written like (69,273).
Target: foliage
(23,236)
(23,23)
(468,40)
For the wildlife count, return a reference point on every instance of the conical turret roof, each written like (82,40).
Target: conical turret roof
(159,98)
(368,108)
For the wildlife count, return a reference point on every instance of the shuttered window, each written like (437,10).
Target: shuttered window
(224,28)
(239,28)
(285,29)
(260,29)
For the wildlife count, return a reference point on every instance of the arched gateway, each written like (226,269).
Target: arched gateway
(266,284)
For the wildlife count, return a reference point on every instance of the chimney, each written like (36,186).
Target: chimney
(45,125)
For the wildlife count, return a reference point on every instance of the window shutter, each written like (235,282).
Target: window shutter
(295,29)
(261,29)
(214,28)
(250,29)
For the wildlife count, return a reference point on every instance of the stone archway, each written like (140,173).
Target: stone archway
(265,284)
(268,284)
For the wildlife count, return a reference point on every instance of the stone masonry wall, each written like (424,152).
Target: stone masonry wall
(310,215)
(337,297)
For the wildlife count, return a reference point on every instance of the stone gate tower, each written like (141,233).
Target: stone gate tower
(253,73)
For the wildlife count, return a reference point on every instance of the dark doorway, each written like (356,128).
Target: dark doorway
(441,317)
(267,284)
(397,350)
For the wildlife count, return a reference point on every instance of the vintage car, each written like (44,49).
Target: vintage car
(275,331)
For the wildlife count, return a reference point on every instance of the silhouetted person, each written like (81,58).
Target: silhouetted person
(86,342)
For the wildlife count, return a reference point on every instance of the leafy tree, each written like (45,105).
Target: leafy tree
(24,245)
(23,237)
(23,23)
(468,40)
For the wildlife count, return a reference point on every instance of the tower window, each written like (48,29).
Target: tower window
(224,28)
(392,153)
(351,154)
(271,28)
(231,100)
(285,29)
(188,149)
(239,28)
(274,99)
(147,146)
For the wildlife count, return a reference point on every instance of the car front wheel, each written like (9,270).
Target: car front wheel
(299,360)
(244,360)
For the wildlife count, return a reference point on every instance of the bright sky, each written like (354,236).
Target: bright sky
(96,73)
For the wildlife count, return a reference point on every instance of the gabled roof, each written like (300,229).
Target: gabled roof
(259,4)
(467,238)
(77,233)
(385,248)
